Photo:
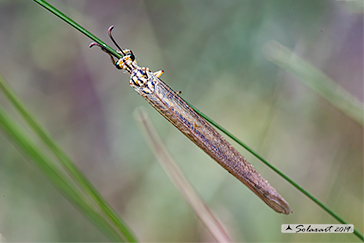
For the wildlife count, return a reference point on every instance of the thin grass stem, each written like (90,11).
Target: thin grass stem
(65,18)
(318,202)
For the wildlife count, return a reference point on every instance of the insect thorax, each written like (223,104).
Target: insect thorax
(141,79)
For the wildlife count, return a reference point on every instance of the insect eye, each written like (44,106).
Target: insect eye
(132,57)
(117,65)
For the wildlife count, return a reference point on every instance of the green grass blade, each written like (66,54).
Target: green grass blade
(316,80)
(66,162)
(55,174)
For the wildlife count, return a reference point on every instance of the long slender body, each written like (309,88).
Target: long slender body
(182,116)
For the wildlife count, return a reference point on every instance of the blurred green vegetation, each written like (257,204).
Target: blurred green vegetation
(212,52)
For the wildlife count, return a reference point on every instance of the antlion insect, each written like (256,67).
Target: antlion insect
(170,105)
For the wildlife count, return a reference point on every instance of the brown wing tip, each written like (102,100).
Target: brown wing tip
(279,205)
(286,210)
(275,201)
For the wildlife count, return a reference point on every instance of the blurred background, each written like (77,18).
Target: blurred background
(213,52)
